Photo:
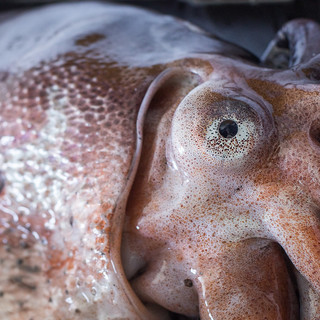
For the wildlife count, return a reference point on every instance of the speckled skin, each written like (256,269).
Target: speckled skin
(205,217)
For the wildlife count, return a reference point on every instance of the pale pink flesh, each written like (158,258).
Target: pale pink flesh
(201,231)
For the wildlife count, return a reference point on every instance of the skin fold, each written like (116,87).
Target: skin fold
(121,199)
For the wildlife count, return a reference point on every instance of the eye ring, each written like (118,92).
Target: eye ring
(219,132)
(228,129)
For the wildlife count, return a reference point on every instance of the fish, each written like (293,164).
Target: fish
(150,170)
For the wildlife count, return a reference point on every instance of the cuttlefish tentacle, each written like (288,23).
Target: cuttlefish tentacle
(296,42)
(235,279)
(296,228)
(302,248)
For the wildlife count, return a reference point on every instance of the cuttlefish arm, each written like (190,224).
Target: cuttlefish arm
(302,39)
(296,42)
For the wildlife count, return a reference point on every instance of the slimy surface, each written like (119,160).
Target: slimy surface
(150,172)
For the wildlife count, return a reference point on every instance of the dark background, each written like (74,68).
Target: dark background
(248,25)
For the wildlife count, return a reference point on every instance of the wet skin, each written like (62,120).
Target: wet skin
(154,170)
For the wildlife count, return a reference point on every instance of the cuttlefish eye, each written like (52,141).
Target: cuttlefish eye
(228,129)
(210,129)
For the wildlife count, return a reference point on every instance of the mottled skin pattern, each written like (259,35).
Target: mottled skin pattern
(64,171)
(203,217)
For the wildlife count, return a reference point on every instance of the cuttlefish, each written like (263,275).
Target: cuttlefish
(149,170)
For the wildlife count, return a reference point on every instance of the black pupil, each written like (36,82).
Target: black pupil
(228,128)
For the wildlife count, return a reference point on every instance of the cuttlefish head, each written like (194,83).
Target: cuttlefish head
(223,216)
